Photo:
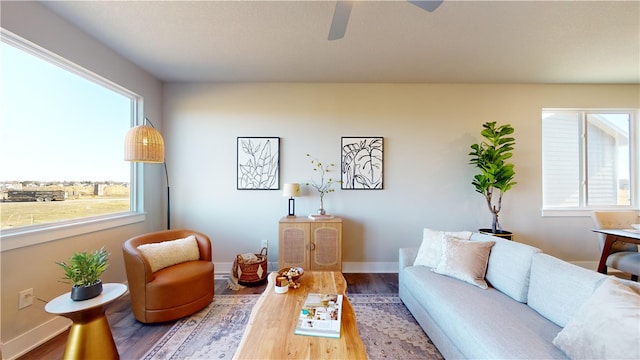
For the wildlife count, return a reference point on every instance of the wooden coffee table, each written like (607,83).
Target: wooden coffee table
(269,334)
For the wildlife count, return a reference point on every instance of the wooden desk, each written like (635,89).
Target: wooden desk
(269,333)
(613,235)
(90,336)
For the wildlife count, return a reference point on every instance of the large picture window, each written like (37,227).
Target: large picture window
(61,141)
(588,159)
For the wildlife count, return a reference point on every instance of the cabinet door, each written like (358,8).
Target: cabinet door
(294,245)
(326,246)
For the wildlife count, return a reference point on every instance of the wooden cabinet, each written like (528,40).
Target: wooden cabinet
(310,244)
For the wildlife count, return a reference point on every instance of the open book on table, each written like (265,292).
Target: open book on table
(321,315)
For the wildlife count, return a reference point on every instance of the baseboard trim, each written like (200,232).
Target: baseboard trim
(591,265)
(224,269)
(370,267)
(35,337)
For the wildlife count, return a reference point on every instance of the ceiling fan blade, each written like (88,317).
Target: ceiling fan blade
(340,20)
(429,5)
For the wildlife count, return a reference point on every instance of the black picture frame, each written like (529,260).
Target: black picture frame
(362,162)
(258,163)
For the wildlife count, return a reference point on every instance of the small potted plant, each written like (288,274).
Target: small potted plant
(496,174)
(83,272)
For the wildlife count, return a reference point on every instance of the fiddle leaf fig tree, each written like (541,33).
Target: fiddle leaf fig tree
(496,174)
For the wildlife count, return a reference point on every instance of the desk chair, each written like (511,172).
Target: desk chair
(623,256)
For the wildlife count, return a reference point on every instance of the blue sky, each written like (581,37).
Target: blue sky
(56,125)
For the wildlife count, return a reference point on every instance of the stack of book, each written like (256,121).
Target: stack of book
(321,315)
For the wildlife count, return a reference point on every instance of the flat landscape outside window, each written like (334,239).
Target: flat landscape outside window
(587,159)
(61,141)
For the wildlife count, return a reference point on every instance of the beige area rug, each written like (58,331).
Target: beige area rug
(387,328)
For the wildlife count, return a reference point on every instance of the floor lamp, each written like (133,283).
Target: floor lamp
(145,144)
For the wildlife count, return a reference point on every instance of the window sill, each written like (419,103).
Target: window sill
(579,212)
(16,238)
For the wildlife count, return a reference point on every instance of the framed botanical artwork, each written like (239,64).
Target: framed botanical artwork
(361,163)
(258,163)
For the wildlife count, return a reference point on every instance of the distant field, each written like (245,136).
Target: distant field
(15,214)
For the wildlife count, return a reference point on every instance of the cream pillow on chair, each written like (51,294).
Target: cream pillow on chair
(167,253)
(430,250)
(465,260)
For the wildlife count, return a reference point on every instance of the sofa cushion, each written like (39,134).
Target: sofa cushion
(558,288)
(483,324)
(606,326)
(167,253)
(430,249)
(465,260)
(509,266)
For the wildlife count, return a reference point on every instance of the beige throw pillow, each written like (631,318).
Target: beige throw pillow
(606,326)
(465,260)
(167,253)
(430,250)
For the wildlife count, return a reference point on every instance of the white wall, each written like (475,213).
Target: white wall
(427,131)
(34,266)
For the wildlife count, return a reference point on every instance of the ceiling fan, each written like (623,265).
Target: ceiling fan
(343,10)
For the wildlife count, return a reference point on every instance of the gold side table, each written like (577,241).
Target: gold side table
(90,335)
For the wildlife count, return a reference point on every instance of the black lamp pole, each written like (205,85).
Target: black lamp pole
(166,174)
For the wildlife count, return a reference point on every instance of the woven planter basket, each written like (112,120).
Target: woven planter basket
(255,273)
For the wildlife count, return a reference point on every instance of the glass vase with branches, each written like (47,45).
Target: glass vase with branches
(324,186)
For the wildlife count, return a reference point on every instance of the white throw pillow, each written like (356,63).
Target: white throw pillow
(606,326)
(465,260)
(167,253)
(430,250)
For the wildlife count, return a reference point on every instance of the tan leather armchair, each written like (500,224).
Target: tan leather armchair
(172,292)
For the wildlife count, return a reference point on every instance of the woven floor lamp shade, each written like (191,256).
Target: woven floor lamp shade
(144,144)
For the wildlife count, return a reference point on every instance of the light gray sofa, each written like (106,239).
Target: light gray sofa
(531,297)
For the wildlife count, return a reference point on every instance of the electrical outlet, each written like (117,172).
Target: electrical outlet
(26,298)
(265,243)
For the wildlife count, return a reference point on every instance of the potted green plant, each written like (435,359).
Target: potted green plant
(83,272)
(496,174)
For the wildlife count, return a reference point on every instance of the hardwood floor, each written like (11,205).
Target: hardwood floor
(134,339)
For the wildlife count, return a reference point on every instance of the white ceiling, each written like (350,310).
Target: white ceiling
(390,41)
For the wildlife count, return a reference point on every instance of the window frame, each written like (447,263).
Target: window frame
(634,167)
(31,235)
